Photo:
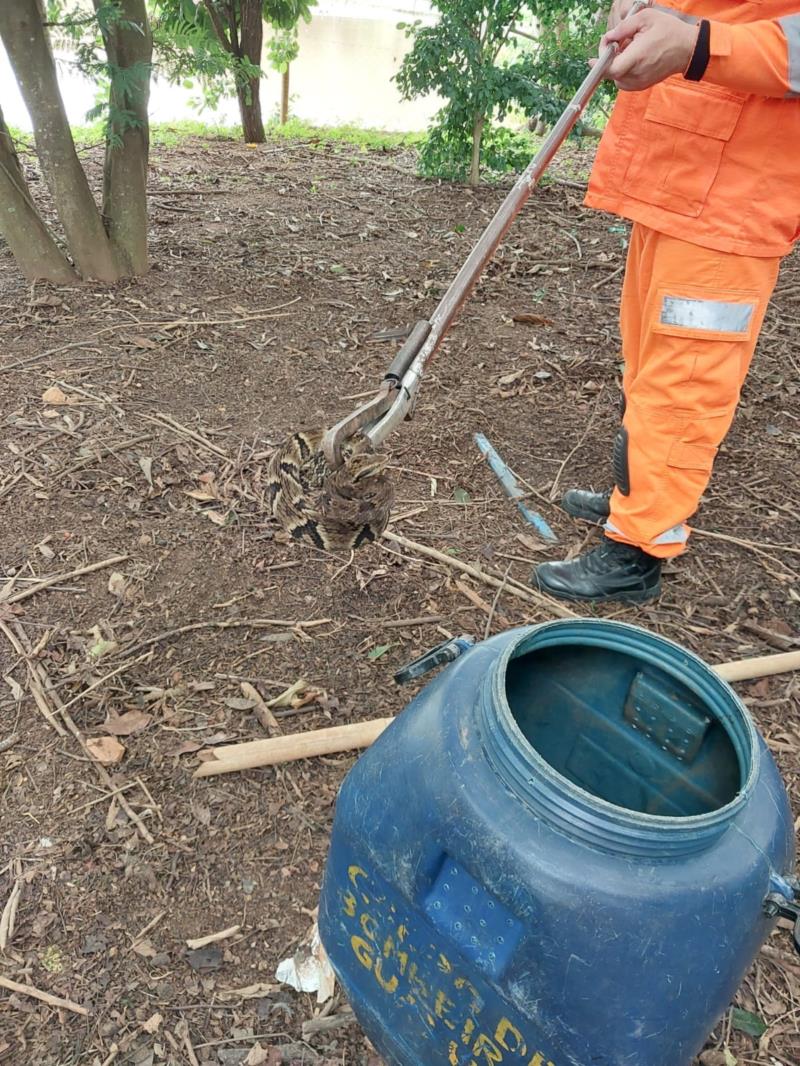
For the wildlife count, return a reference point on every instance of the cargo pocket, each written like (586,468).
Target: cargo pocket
(685,455)
(684,133)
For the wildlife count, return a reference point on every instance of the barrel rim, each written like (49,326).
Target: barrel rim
(575,810)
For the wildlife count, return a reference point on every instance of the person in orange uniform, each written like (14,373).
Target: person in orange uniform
(702,154)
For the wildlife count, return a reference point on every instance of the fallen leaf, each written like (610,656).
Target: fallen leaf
(186,747)
(237,703)
(146,467)
(532,320)
(142,342)
(45,550)
(55,396)
(153,1023)
(49,299)
(747,1022)
(102,647)
(263,1056)
(217,518)
(205,959)
(117,584)
(123,725)
(203,495)
(107,750)
(461,495)
(379,651)
(144,948)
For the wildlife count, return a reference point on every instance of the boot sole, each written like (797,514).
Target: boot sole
(633,596)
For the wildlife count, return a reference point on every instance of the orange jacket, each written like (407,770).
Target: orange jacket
(715,162)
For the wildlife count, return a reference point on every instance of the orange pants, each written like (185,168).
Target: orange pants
(690,320)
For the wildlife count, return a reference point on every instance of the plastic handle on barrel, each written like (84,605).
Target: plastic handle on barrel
(446,652)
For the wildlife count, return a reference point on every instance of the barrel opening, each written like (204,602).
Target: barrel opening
(624,730)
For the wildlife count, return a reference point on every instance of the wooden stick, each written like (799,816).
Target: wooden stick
(212,938)
(760,666)
(35,684)
(48,582)
(511,587)
(45,997)
(233,757)
(254,753)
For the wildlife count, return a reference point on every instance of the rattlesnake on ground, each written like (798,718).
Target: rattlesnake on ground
(339,509)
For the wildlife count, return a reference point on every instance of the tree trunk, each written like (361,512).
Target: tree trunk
(478,123)
(285,96)
(28,238)
(27,44)
(129,48)
(251,43)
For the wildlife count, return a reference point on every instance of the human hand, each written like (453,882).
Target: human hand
(620,10)
(653,45)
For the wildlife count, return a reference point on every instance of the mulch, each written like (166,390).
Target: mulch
(142,582)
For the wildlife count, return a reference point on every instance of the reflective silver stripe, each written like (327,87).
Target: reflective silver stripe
(791,27)
(713,316)
(676,535)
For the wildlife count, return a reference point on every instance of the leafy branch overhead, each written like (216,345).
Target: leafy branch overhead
(486,67)
(220,43)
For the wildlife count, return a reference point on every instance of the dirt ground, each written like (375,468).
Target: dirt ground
(135,429)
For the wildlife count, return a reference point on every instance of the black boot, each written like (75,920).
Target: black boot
(593,506)
(611,571)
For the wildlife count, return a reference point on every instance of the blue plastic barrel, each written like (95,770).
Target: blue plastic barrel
(566,851)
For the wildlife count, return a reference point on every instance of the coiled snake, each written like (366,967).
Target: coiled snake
(340,509)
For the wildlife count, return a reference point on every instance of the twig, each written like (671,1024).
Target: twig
(742,542)
(105,796)
(150,925)
(50,581)
(261,709)
(69,722)
(584,435)
(493,608)
(101,681)
(45,997)
(34,681)
(609,277)
(407,623)
(212,938)
(229,623)
(8,918)
(113,1051)
(9,742)
(513,589)
(177,427)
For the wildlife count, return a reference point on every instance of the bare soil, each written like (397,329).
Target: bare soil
(137,422)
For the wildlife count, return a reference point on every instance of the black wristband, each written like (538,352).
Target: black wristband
(701,55)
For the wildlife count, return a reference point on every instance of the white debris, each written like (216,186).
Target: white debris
(309,970)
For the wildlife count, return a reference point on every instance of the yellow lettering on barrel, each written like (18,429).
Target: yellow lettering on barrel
(354,872)
(469,1029)
(444,1006)
(363,952)
(538,1060)
(350,905)
(487,1048)
(453,1055)
(389,985)
(369,927)
(505,1031)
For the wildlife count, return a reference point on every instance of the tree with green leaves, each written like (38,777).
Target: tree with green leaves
(475,58)
(221,41)
(113,42)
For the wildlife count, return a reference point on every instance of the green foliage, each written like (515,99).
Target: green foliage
(485,71)
(119,89)
(200,43)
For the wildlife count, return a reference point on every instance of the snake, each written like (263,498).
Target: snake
(335,510)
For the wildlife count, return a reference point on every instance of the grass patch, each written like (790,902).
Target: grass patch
(171,134)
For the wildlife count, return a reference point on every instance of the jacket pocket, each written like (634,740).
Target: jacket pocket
(683,136)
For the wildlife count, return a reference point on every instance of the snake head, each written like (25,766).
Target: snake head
(361,461)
